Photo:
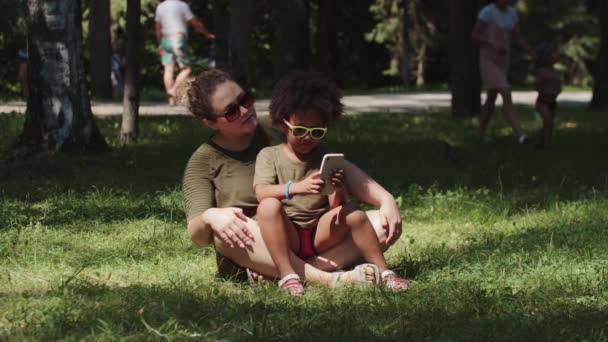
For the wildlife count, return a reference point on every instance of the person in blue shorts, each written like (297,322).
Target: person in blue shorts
(172,20)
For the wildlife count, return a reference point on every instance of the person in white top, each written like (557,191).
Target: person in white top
(171,24)
(495,28)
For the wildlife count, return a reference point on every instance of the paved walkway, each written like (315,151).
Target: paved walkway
(412,103)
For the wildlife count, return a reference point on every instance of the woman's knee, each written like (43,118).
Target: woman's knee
(269,208)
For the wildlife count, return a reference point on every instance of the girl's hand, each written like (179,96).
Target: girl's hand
(309,185)
(338,179)
(230,224)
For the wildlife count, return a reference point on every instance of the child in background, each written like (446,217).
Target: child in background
(292,214)
(548,85)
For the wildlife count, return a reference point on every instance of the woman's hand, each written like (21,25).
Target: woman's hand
(230,224)
(390,219)
(309,185)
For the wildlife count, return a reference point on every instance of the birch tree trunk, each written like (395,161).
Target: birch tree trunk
(99,46)
(129,128)
(58,115)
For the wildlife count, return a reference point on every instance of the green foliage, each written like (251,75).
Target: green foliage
(508,244)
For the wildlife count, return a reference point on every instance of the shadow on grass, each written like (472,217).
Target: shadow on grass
(397,150)
(261,313)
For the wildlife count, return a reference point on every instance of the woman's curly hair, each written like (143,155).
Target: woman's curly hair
(305,92)
(200,90)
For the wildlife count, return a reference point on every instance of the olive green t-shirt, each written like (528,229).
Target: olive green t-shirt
(274,167)
(218,178)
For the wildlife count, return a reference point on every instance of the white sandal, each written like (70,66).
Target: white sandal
(291,283)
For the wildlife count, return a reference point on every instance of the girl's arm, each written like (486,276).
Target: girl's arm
(340,196)
(310,185)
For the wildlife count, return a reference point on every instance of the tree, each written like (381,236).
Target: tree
(465,82)
(100,48)
(241,26)
(328,59)
(58,115)
(129,127)
(291,48)
(599,101)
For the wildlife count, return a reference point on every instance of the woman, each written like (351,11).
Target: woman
(494,30)
(219,198)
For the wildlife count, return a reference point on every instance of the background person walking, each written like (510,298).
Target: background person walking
(172,20)
(495,28)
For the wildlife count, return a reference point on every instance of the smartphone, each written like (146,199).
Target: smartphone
(330,163)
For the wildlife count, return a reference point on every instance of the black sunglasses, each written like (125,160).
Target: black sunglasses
(233,110)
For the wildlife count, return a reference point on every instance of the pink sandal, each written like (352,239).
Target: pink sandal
(394,283)
(291,283)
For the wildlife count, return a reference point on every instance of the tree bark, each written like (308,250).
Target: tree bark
(129,127)
(241,27)
(221,24)
(100,51)
(58,115)
(291,48)
(465,81)
(328,50)
(599,100)
(405,38)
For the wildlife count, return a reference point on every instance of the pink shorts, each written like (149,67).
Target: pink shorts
(307,243)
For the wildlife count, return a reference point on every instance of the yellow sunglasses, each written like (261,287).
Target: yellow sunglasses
(301,131)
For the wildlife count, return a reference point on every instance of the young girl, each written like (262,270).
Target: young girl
(548,85)
(292,214)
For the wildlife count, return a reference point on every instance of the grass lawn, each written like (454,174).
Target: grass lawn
(510,243)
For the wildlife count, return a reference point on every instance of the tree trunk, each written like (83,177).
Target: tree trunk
(241,27)
(100,48)
(421,64)
(129,127)
(599,101)
(291,48)
(221,23)
(58,115)
(464,55)
(328,51)
(405,38)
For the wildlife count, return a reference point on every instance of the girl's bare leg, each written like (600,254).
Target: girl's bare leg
(278,233)
(337,224)
(548,117)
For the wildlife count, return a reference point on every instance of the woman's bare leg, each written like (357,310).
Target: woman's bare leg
(508,112)
(316,269)
(486,111)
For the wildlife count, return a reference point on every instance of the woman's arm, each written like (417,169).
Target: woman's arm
(478,33)
(365,189)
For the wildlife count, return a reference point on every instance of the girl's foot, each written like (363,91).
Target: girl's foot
(394,283)
(291,284)
(364,274)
